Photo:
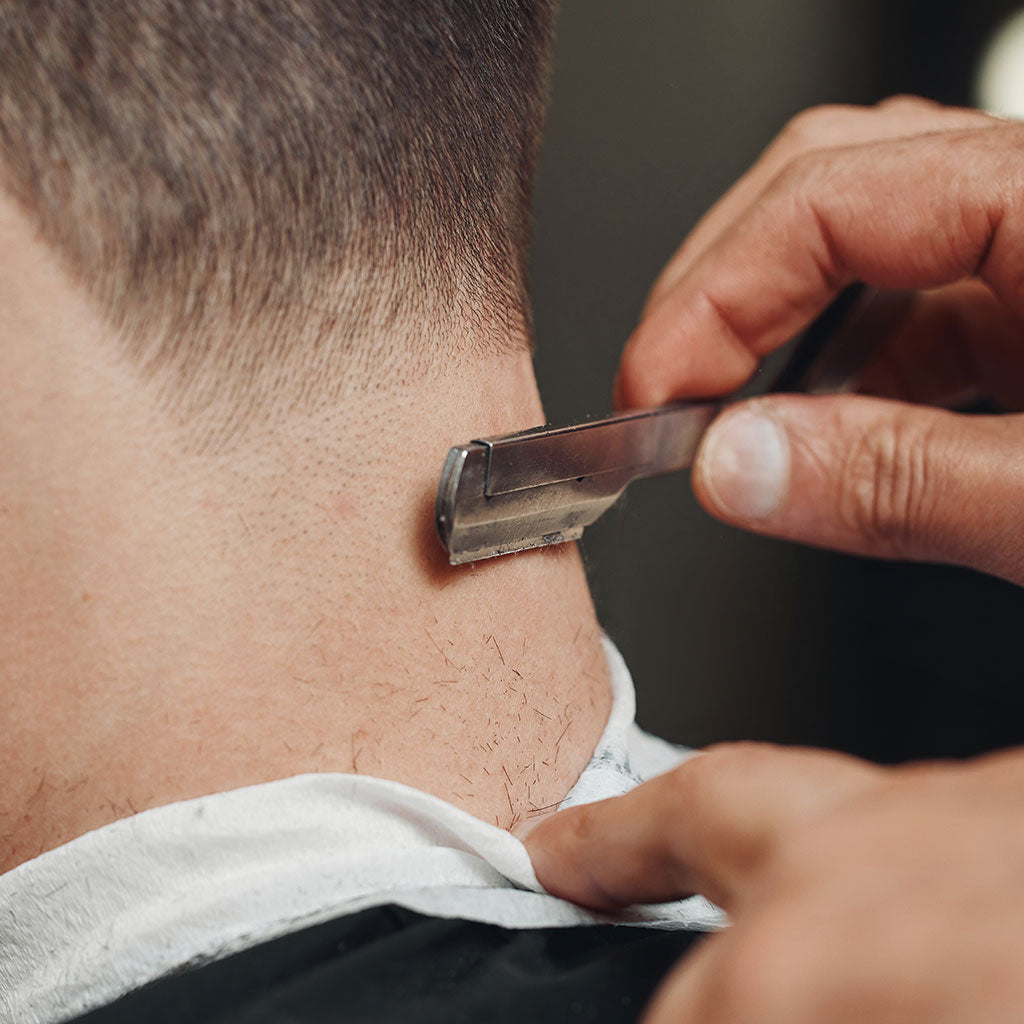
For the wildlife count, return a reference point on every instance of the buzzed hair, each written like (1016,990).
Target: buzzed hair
(277,192)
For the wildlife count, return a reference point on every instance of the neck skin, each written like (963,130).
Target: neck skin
(173,625)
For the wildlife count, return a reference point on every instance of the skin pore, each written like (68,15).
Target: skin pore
(176,624)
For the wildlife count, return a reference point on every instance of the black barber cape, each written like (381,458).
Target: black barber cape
(391,964)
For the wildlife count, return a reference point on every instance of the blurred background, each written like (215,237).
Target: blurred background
(657,107)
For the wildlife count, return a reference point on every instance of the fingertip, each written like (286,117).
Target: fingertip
(558,850)
(868,476)
(681,351)
(742,468)
(641,382)
(540,857)
(543,841)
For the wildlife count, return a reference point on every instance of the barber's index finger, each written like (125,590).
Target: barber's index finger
(899,214)
(707,826)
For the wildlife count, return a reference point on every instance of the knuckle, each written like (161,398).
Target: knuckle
(912,115)
(692,782)
(906,101)
(925,773)
(812,128)
(737,750)
(702,788)
(805,177)
(702,782)
(884,493)
(704,778)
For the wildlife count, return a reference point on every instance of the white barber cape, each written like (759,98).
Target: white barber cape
(197,880)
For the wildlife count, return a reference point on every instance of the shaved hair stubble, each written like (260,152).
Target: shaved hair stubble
(273,200)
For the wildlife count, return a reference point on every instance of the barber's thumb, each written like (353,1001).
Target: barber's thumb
(872,477)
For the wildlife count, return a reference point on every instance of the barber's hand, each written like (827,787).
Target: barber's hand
(906,195)
(894,896)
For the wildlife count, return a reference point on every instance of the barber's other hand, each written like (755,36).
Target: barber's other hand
(906,195)
(856,893)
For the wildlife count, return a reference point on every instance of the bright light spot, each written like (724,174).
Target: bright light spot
(1000,85)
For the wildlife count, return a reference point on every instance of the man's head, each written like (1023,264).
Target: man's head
(272,199)
(308,219)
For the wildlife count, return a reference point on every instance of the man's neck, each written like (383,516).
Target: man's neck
(173,625)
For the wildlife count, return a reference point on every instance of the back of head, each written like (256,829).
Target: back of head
(275,200)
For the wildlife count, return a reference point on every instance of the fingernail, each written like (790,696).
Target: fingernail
(744,465)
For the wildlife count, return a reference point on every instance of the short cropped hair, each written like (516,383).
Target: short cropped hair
(265,191)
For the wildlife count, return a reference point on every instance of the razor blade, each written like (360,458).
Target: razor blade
(545,486)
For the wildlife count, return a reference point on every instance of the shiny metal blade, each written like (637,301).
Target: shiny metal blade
(545,486)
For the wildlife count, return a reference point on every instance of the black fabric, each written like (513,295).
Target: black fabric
(391,964)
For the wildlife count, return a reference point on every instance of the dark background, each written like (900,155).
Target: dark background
(657,107)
